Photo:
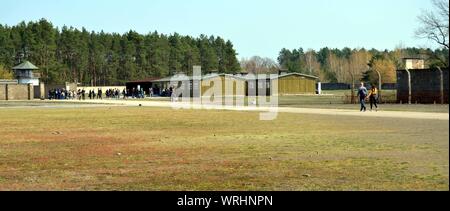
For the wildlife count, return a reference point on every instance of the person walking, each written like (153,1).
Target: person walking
(373,98)
(100,94)
(362,94)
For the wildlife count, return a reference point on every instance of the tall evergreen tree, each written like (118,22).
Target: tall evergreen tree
(176,54)
(231,63)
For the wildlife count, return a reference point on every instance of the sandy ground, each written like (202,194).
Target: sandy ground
(334,112)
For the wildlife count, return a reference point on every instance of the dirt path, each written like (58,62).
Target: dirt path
(333,112)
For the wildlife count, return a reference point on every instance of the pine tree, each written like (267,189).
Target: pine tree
(175,55)
(231,63)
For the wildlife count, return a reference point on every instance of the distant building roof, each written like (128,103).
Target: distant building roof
(205,77)
(215,75)
(273,76)
(174,78)
(299,74)
(145,80)
(25,66)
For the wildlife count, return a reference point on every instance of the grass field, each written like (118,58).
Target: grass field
(131,148)
(335,100)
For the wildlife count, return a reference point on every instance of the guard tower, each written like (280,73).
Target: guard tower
(25,75)
(414,63)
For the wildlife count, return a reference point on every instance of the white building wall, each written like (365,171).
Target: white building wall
(33,81)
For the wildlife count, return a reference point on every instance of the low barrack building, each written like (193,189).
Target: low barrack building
(288,84)
(231,85)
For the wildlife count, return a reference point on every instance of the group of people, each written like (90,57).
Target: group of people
(92,95)
(371,95)
(81,94)
(113,93)
(167,92)
(109,94)
(61,94)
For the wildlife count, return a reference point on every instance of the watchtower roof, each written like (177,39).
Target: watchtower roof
(25,66)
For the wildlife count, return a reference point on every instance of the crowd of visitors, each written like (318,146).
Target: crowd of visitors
(82,94)
(62,94)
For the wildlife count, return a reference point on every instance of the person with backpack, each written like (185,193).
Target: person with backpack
(362,94)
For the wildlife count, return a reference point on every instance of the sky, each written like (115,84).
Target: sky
(256,27)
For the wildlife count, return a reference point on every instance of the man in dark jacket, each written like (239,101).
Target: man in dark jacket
(362,94)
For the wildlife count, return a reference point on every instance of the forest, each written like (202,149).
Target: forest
(99,58)
(347,65)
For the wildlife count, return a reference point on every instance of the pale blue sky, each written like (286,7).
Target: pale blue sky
(256,27)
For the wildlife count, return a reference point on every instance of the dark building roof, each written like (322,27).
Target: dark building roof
(298,74)
(25,66)
(205,77)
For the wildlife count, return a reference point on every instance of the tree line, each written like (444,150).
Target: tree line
(349,65)
(99,58)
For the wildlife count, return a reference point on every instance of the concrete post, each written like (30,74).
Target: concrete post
(409,86)
(30,91)
(441,85)
(319,88)
(42,93)
(379,85)
(6,92)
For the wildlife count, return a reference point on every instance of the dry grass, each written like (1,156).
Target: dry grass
(122,148)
